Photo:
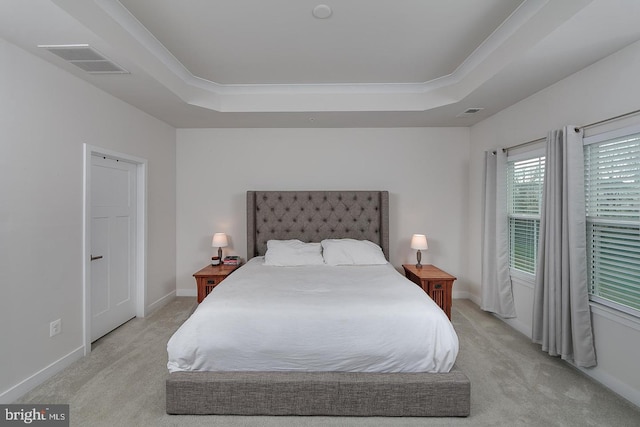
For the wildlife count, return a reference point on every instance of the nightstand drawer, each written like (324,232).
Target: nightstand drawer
(210,277)
(210,284)
(435,282)
(436,286)
(206,285)
(438,293)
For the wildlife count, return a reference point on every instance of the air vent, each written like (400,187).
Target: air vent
(86,58)
(469,112)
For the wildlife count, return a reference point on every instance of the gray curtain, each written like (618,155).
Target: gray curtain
(561,315)
(497,295)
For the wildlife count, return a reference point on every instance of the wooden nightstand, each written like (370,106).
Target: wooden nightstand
(210,276)
(435,282)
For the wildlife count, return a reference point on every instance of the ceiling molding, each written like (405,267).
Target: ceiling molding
(526,26)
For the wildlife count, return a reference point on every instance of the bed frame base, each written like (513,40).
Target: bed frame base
(319,393)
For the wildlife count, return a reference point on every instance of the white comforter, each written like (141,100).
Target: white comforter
(315,318)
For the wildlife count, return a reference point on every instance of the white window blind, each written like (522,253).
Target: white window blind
(612,196)
(525,179)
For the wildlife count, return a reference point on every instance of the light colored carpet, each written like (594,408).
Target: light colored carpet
(512,382)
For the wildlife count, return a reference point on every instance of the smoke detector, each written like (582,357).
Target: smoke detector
(322,11)
(86,58)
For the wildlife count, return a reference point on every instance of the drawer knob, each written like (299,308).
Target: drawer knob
(438,286)
(211,282)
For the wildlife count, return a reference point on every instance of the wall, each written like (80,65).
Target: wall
(46,115)
(423,169)
(603,90)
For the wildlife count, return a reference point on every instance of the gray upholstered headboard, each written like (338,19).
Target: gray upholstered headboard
(312,216)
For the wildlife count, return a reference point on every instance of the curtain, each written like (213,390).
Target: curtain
(497,295)
(561,315)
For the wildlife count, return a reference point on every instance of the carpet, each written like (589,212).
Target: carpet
(513,383)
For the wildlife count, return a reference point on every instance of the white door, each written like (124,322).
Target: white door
(113,240)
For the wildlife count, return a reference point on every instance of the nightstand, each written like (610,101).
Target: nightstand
(210,276)
(435,282)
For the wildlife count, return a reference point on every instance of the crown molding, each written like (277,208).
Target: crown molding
(528,24)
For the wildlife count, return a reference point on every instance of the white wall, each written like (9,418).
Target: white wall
(605,89)
(425,171)
(46,115)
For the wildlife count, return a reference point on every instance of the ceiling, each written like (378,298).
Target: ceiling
(371,63)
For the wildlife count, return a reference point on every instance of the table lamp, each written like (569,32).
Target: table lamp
(419,242)
(220,241)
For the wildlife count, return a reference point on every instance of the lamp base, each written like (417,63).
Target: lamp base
(419,257)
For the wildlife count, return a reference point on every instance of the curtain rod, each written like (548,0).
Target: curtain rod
(621,116)
(610,119)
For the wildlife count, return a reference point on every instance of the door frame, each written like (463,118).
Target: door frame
(141,233)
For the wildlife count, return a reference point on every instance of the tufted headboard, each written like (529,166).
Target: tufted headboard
(312,216)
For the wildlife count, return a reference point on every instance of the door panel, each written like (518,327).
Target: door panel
(120,260)
(99,288)
(113,215)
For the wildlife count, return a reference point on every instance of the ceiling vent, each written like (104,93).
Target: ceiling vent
(469,112)
(86,58)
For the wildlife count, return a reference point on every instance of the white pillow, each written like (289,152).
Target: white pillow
(351,252)
(287,253)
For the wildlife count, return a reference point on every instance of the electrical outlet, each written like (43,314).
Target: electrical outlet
(55,327)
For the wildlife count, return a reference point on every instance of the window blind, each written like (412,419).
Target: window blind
(525,179)
(612,201)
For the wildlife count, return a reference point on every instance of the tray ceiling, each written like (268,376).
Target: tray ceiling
(256,63)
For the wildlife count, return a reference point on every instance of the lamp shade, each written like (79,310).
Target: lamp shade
(219,240)
(419,241)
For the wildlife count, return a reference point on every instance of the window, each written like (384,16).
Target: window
(612,196)
(524,194)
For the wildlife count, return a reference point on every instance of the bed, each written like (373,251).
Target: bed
(316,363)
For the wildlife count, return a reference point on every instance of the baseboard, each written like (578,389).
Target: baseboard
(612,383)
(517,325)
(186,292)
(514,323)
(460,295)
(160,303)
(23,387)
(473,298)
